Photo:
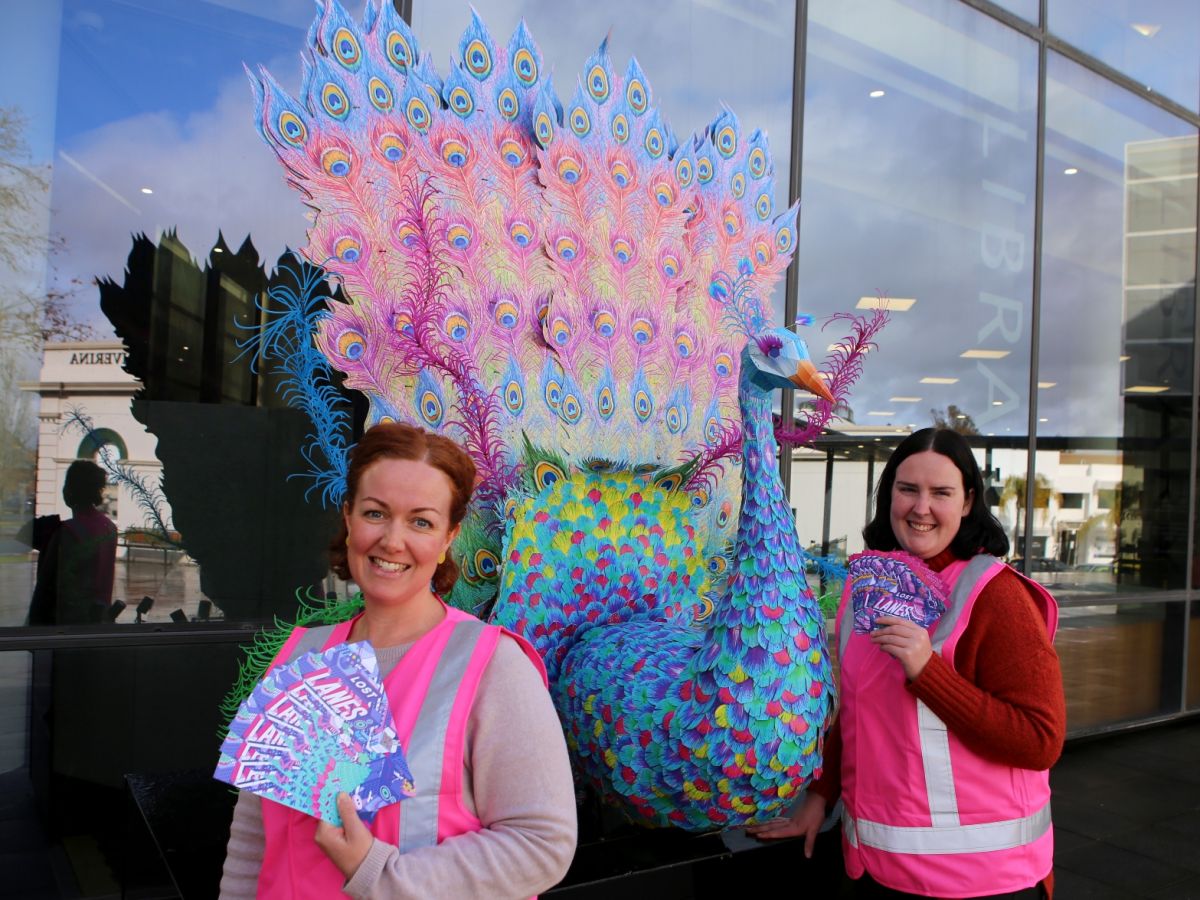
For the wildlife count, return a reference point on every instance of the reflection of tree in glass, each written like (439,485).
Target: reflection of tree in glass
(18,456)
(955,419)
(27,318)
(1101,526)
(1014,492)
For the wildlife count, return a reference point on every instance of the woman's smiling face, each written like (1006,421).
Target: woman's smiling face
(928,503)
(399,527)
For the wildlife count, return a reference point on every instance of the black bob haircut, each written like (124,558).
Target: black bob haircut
(980,530)
(84,485)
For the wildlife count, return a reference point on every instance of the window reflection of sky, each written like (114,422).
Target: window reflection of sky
(1147,39)
(1026,9)
(900,195)
(923,193)
(152,95)
(121,59)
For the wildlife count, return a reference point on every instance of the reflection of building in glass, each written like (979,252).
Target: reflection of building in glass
(89,378)
(1074,518)
(1083,515)
(1159,266)
(182,322)
(1159,291)
(1076,503)
(225,435)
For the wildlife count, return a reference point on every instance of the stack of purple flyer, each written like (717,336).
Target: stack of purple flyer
(893,584)
(314,727)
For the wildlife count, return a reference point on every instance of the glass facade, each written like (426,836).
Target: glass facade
(918,187)
(1146,40)
(1119,243)
(1056,333)
(1013,194)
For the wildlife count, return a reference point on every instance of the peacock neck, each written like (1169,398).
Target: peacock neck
(758,433)
(768,581)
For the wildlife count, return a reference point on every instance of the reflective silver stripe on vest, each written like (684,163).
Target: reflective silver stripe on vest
(419,814)
(939,775)
(312,639)
(932,732)
(956,839)
(846,627)
(967,579)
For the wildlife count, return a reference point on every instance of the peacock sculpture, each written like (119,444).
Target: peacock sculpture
(574,296)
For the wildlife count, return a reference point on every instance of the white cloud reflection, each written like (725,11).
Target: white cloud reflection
(210,171)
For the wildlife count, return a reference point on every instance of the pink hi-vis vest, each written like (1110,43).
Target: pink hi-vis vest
(430,692)
(923,814)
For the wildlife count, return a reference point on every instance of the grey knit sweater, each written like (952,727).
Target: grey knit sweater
(517,780)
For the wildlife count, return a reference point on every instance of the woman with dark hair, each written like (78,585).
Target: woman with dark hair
(971,708)
(978,529)
(76,569)
(494,812)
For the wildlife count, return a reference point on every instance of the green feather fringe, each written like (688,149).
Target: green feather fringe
(267,643)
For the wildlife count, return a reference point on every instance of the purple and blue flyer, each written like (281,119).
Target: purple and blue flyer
(314,727)
(893,584)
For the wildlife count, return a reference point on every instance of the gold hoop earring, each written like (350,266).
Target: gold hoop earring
(442,558)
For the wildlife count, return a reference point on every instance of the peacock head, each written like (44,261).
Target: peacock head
(778,359)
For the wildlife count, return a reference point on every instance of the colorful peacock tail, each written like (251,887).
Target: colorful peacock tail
(568,291)
(515,267)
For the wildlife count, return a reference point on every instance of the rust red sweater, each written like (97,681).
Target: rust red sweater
(1004,696)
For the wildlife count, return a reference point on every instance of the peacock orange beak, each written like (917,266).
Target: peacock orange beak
(809,379)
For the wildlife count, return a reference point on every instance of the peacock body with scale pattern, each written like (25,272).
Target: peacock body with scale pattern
(574,296)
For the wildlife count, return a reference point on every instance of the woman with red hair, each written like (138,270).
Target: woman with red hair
(494,812)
